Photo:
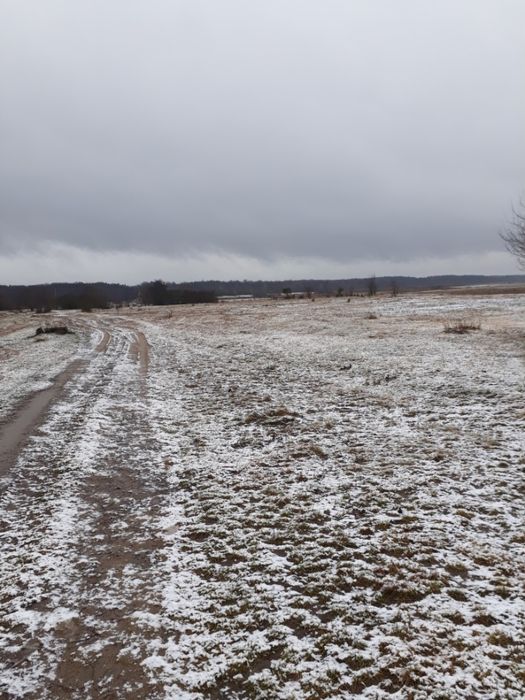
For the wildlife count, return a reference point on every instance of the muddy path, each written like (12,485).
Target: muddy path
(139,351)
(78,520)
(29,415)
(25,419)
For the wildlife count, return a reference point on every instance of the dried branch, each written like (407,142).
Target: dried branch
(514,234)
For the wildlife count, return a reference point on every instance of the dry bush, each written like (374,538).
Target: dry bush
(461,327)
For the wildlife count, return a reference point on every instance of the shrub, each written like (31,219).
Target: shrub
(461,327)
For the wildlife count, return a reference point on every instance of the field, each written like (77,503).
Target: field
(270,499)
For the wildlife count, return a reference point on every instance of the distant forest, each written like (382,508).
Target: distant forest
(350,286)
(101,295)
(79,295)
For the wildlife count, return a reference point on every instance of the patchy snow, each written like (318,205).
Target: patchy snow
(346,517)
(29,363)
(296,501)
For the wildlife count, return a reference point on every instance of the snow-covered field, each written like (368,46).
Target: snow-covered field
(287,499)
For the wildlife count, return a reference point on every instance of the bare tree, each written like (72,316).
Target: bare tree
(394,287)
(514,233)
(372,286)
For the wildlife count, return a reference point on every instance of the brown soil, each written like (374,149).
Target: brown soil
(103,673)
(28,416)
(103,345)
(119,492)
(139,351)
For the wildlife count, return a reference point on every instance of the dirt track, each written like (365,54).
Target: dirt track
(28,416)
(30,412)
(110,494)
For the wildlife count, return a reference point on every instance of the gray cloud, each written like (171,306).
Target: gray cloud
(336,130)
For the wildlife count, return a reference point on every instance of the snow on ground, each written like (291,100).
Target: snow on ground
(299,500)
(347,500)
(29,363)
(68,582)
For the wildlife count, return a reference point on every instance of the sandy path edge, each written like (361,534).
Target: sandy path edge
(28,415)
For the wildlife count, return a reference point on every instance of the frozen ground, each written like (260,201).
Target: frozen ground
(273,500)
(29,363)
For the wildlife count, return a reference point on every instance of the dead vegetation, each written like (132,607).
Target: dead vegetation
(461,327)
(56,330)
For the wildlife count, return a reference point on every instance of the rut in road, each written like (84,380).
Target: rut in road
(80,512)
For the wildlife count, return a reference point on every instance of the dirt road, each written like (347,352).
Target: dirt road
(87,491)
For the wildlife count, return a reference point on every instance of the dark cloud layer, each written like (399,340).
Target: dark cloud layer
(373,130)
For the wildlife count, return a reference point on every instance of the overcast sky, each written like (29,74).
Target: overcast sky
(196,139)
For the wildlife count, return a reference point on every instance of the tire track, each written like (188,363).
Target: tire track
(28,417)
(91,491)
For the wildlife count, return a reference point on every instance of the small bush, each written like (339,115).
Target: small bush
(461,327)
(58,330)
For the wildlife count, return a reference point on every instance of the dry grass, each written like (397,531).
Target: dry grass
(483,290)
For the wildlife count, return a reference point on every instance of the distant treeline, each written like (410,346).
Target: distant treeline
(101,295)
(349,286)
(79,295)
(158,293)
(75,295)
